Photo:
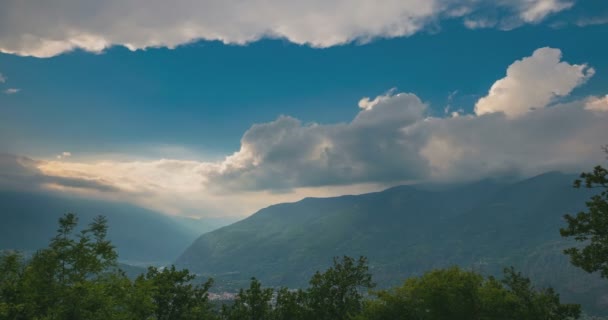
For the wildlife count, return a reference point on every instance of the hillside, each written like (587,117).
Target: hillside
(405,231)
(142,236)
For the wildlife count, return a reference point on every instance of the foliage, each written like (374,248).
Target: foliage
(590,227)
(76,278)
(11,271)
(175,297)
(405,231)
(291,305)
(336,293)
(457,294)
(251,304)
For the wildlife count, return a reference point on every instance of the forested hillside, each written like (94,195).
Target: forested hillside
(406,231)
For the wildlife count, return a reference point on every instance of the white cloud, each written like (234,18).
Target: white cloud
(48,28)
(64,155)
(564,137)
(597,104)
(390,141)
(536,10)
(479,23)
(2,78)
(12,90)
(533,83)
(285,160)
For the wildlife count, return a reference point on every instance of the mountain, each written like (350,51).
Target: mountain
(407,230)
(29,220)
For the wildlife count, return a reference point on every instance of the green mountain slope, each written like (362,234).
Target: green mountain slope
(406,231)
(29,220)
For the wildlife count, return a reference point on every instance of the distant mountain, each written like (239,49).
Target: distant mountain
(407,230)
(29,220)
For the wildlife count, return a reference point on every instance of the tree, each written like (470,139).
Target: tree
(11,273)
(590,228)
(71,279)
(337,293)
(528,303)
(254,303)
(464,295)
(291,305)
(175,297)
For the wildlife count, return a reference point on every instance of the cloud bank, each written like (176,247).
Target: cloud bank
(49,28)
(520,128)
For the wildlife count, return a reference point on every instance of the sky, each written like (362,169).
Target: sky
(219,108)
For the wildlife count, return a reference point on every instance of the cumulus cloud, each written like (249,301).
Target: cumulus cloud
(371,148)
(533,83)
(565,137)
(46,28)
(392,140)
(597,104)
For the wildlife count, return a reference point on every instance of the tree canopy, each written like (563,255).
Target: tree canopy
(76,277)
(590,227)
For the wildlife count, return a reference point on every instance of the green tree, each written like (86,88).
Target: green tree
(11,273)
(590,227)
(254,303)
(464,295)
(337,293)
(174,295)
(528,303)
(71,278)
(76,277)
(291,305)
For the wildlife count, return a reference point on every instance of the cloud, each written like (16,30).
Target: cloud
(12,91)
(532,83)
(22,173)
(565,137)
(510,14)
(45,29)
(533,11)
(391,140)
(369,149)
(2,78)
(597,104)
(179,187)
(64,155)
(592,21)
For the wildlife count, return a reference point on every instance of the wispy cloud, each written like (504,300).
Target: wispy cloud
(12,90)
(2,78)
(64,155)
(592,21)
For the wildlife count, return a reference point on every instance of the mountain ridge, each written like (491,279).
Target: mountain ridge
(405,231)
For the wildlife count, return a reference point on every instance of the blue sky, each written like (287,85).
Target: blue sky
(196,100)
